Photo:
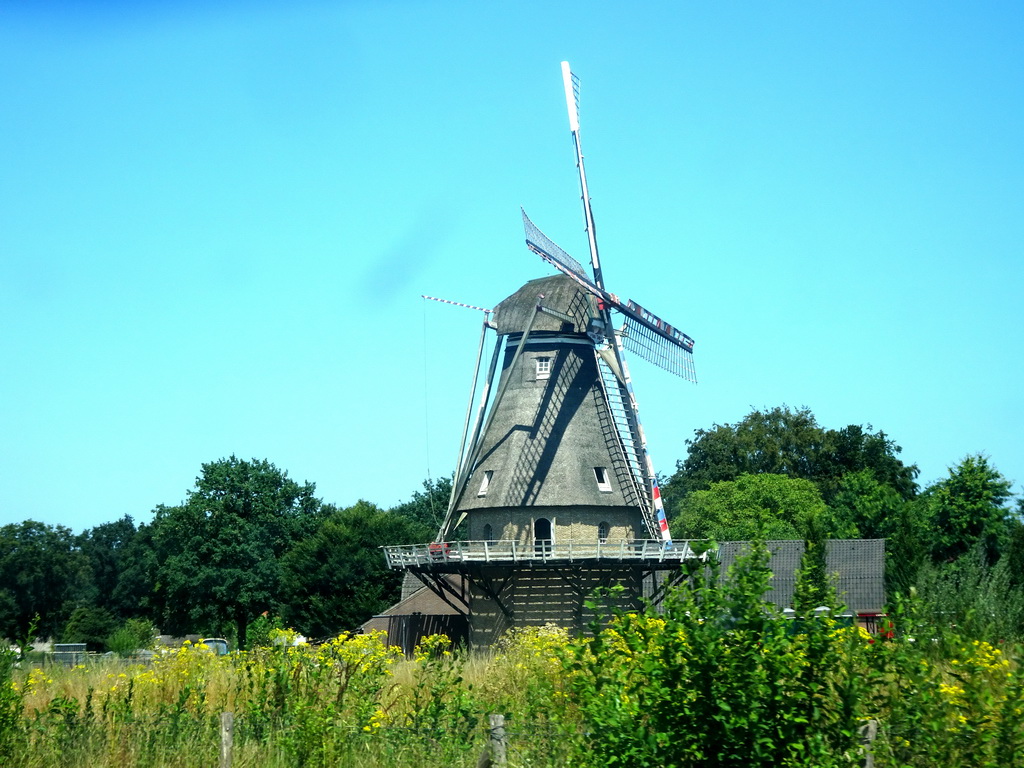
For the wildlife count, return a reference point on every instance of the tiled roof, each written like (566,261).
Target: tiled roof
(859,565)
(416,598)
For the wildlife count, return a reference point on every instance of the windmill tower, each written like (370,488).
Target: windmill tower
(554,494)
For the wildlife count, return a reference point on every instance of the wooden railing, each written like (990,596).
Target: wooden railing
(510,551)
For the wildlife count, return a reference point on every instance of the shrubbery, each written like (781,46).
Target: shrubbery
(133,636)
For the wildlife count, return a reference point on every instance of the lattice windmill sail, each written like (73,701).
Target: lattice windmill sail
(643,333)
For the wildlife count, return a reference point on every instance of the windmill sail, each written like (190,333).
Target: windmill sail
(645,335)
(655,348)
(548,250)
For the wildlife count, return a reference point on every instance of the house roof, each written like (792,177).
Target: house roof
(416,599)
(858,565)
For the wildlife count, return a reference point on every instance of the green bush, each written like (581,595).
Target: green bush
(11,700)
(133,636)
(719,679)
(976,599)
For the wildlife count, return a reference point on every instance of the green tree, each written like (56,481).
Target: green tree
(103,549)
(788,442)
(91,625)
(41,574)
(217,555)
(779,442)
(769,506)
(863,507)
(1014,556)
(135,594)
(814,586)
(968,510)
(337,578)
(428,506)
(855,448)
(906,545)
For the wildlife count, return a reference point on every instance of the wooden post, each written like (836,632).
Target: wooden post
(498,755)
(227,728)
(867,733)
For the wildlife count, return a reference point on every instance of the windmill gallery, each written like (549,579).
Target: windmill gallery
(555,495)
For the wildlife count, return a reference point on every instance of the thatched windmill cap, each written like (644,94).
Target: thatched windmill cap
(557,293)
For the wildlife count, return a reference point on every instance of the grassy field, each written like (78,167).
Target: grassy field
(351,701)
(716,679)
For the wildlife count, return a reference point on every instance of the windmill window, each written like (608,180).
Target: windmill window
(542,536)
(543,368)
(602,533)
(488,534)
(603,483)
(485,483)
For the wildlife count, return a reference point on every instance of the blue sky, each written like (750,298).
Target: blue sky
(216,225)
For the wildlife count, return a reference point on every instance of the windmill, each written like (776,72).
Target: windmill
(553,479)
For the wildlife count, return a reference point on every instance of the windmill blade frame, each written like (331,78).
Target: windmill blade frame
(656,348)
(646,335)
(550,251)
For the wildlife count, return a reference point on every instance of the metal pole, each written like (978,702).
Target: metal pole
(475,449)
(633,414)
(465,429)
(574,126)
(868,733)
(461,472)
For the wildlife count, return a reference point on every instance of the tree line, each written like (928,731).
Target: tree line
(778,474)
(250,548)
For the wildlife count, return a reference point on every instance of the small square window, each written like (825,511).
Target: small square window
(603,483)
(488,474)
(543,368)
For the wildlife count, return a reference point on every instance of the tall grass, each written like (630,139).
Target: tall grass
(351,701)
(716,678)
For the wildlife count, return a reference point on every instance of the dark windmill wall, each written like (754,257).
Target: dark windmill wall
(548,434)
(538,596)
(551,450)
(551,456)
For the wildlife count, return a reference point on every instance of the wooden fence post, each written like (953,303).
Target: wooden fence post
(499,758)
(227,728)
(867,733)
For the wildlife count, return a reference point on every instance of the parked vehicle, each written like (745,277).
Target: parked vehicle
(217,645)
